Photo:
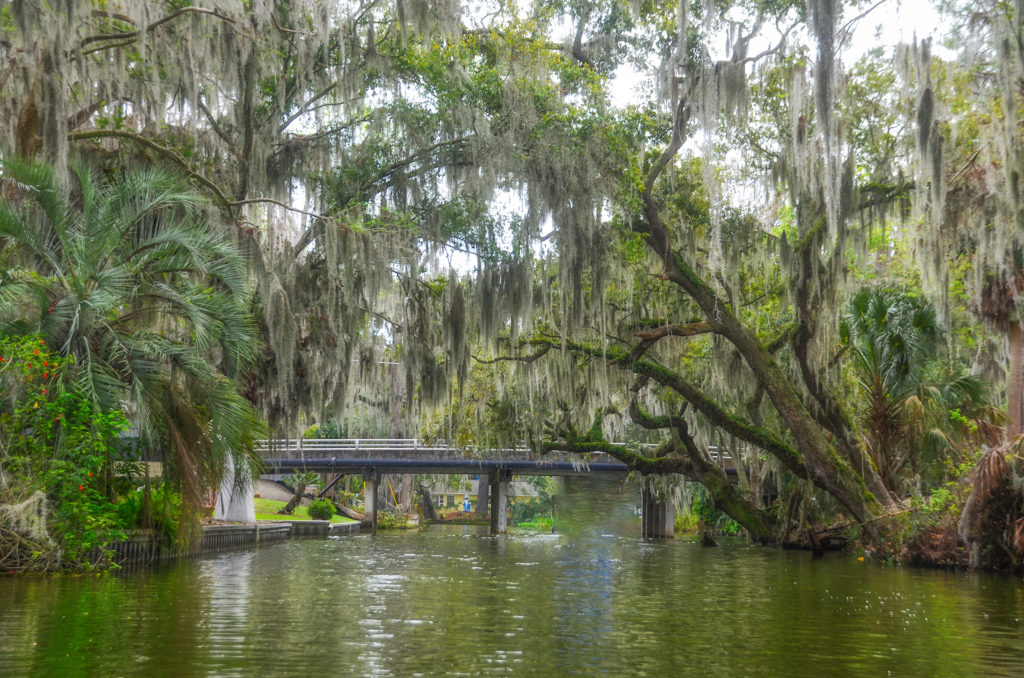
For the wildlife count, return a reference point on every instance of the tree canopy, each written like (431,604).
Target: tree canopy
(420,185)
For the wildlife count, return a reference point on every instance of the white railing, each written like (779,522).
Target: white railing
(368,448)
(365,448)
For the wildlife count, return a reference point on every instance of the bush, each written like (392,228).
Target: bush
(321,509)
(58,454)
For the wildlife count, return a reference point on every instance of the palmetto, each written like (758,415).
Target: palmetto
(908,394)
(126,277)
(890,335)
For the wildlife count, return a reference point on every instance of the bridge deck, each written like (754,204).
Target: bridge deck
(410,456)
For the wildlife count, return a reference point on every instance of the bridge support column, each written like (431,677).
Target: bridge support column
(659,517)
(370,483)
(499,501)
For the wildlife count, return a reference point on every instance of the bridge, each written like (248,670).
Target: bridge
(373,457)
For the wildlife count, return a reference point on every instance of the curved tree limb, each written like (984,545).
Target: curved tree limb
(679,455)
(179,160)
(829,413)
(133,35)
(714,412)
(649,338)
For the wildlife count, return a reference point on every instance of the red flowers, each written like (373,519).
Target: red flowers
(45,363)
(90,474)
(30,366)
(81,487)
(44,391)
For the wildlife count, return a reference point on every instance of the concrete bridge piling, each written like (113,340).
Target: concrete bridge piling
(499,501)
(659,516)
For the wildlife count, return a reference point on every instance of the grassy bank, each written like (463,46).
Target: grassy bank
(267,509)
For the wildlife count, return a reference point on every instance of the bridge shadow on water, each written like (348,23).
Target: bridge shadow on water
(595,506)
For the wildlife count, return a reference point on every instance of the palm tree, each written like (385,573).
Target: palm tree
(126,277)
(1000,300)
(889,335)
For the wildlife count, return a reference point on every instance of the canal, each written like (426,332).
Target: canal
(591,598)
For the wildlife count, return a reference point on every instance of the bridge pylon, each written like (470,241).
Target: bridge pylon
(659,516)
(371,482)
(499,481)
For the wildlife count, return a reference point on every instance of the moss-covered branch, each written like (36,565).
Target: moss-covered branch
(829,412)
(649,338)
(185,166)
(127,37)
(714,412)
(677,454)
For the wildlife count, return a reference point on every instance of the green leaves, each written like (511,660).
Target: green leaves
(144,301)
(52,440)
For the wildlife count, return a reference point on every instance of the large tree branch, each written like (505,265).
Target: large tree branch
(298,140)
(217,129)
(649,338)
(133,35)
(418,156)
(303,107)
(680,120)
(827,469)
(714,412)
(179,160)
(166,151)
(829,413)
(678,454)
(540,353)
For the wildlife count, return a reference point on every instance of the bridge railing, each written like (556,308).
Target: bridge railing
(414,448)
(393,448)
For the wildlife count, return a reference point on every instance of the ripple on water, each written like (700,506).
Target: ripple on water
(527,605)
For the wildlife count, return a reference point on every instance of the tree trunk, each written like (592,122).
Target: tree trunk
(1015,383)
(427,504)
(349,512)
(483,495)
(818,459)
(405,494)
(300,489)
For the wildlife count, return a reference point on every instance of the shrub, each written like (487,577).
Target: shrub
(58,454)
(321,509)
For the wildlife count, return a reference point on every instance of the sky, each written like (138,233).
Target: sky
(893,22)
(883,23)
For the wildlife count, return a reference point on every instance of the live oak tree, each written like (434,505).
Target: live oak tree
(349,148)
(617,256)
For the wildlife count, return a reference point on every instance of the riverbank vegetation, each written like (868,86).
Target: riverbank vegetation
(781,257)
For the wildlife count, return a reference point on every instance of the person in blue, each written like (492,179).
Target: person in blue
(465,503)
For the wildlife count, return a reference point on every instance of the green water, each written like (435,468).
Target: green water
(590,599)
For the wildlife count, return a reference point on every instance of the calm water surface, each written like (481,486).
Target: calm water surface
(591,599)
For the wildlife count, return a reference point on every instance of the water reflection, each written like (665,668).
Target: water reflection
(226,580)
(592,598)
